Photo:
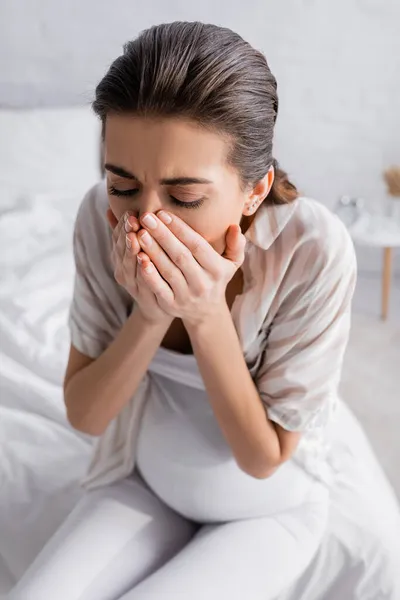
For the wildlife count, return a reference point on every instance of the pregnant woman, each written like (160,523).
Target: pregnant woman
(208,325)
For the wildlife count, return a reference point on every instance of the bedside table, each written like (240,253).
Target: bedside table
(380,232)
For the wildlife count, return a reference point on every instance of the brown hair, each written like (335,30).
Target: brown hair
(210,75)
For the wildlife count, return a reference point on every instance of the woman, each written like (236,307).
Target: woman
(208,325)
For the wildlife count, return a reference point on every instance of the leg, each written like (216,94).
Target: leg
(255,558)
(386,279)
(115,537)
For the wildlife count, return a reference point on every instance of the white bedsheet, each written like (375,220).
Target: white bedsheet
(42,458)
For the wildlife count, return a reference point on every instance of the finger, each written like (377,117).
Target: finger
(127,242)
(143,259)
(129,253)
(235,245)
(127,224)
(202,251)
(145,290)
(117,230)
(126,247)
(115,255)
(179,254)
(132,245)
(164,265)
(131,223)
(131,226)
(156,284)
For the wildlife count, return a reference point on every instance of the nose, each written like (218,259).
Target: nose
(149,202)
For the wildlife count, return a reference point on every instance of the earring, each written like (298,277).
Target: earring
(253,206)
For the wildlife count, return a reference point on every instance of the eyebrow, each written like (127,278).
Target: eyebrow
(172,181)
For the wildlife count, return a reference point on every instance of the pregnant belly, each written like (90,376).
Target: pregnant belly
(190,466)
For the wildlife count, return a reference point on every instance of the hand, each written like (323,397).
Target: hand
(124,258)
(183,271)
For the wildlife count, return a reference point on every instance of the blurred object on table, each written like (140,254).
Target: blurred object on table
(392,180)
(349,209)
(374,229)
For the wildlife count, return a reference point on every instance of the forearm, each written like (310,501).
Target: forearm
(233,396)
(96,394)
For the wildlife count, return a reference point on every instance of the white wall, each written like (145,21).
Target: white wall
(337,63)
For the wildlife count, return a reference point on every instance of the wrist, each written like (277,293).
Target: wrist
(209,322)
(157,325)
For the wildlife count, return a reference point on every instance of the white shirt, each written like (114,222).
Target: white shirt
(292,321)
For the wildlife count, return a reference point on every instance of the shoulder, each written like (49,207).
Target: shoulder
(92,234)
(317,225)
(319,236)
(93,208)
(91,221)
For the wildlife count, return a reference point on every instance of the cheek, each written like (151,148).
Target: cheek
(212,227)
(215,235)
(229,212)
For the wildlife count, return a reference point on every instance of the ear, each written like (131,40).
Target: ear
(259,192)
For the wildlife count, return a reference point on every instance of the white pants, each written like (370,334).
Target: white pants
(122,543)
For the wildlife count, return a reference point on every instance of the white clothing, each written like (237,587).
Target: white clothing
(292,321)
(122,543)
(184,458)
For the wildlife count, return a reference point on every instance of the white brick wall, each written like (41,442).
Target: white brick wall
(337,65)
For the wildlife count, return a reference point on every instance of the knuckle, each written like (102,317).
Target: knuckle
(171,276)
(219,274)
(209,289)
(197,246)
(163,295)
(202,288)
(181,257)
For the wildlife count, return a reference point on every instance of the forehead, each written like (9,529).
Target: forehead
(163,143)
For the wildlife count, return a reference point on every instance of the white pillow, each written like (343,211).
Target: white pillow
(46,150)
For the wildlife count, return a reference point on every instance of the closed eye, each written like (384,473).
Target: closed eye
(193,204)
(114,192)
(128,193)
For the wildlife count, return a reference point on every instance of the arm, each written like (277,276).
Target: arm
(109,353)
(96,393)
(300,371)
(258,445)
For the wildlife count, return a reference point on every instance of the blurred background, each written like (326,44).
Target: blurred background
(337,66)
(338,69)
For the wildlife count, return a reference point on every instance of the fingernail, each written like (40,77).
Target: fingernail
(146,238)
(127,226)
(128,242)
(133,222)
(149,221)
(164,217)
(139,259)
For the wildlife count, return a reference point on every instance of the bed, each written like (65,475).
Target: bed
(42,458)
